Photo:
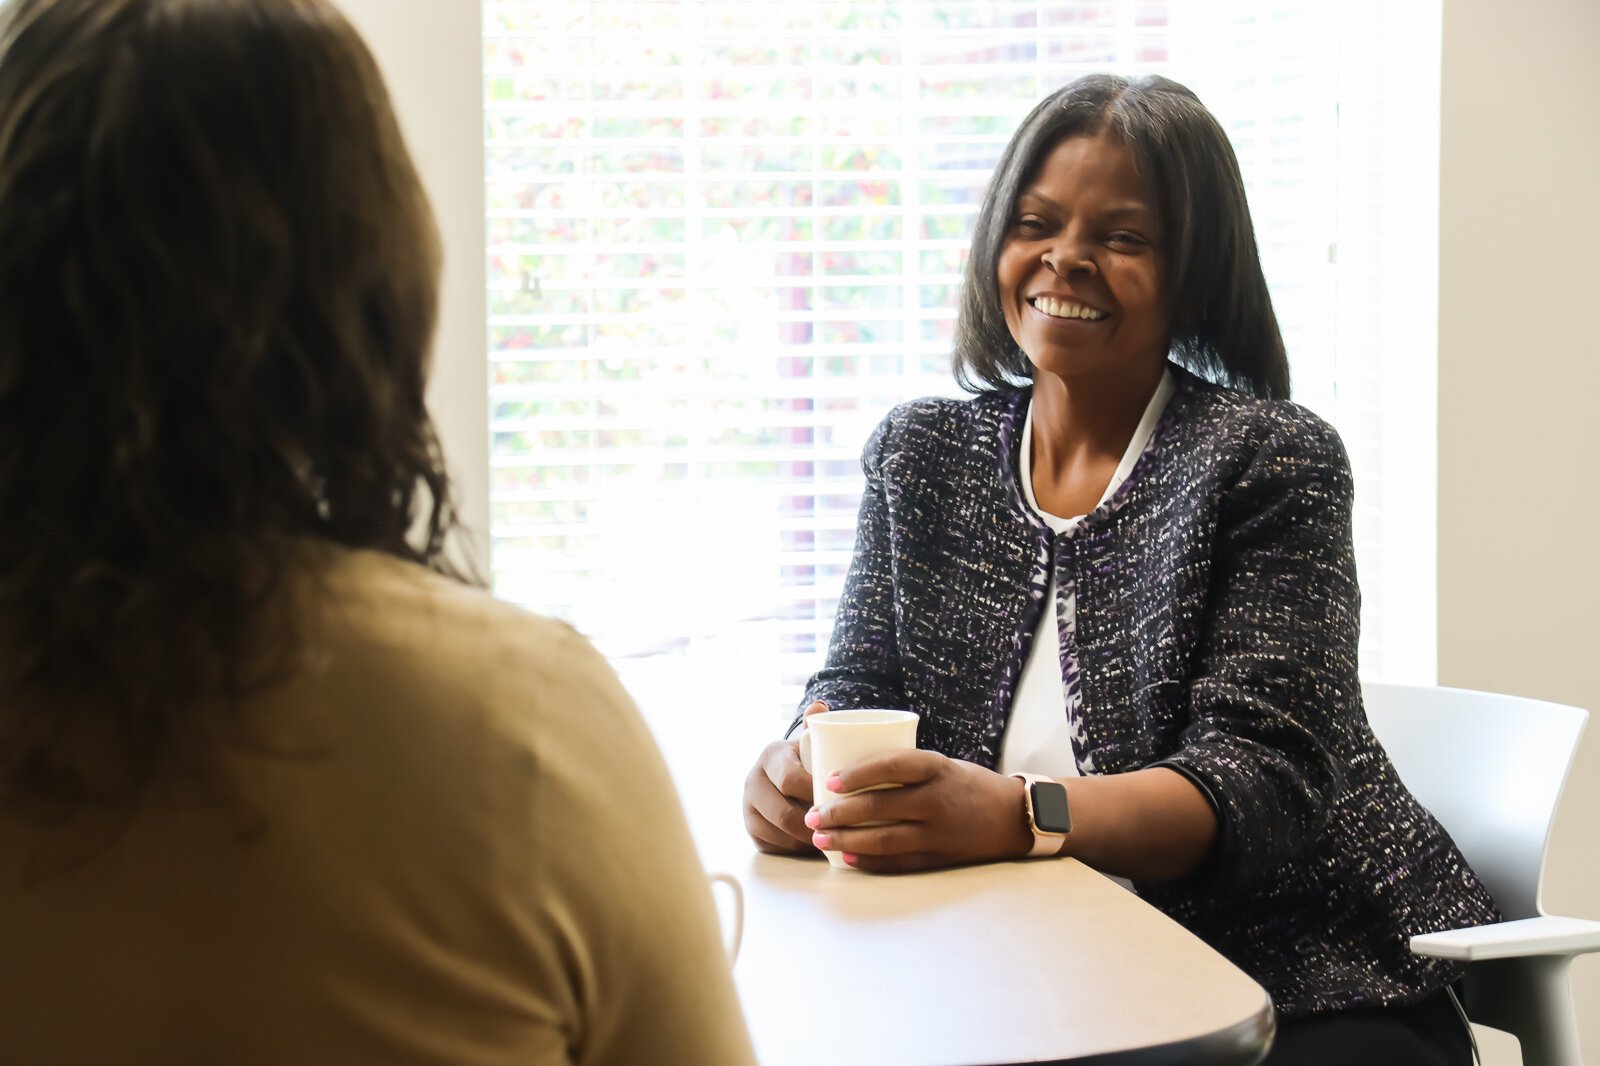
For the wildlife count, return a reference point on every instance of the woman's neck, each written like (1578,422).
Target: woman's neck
(1081,428)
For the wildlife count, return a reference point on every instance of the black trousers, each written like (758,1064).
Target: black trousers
(1426,1033)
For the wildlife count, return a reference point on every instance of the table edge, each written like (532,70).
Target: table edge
(1244,1043)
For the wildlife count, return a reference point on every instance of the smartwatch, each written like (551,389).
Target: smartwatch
(1044,804)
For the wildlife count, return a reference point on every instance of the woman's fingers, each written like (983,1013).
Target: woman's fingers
(784,769)
(769,838)
(894,864)
(935,812)
(785,816)
(895,767)
(878,805)
(898,838)
(771,815)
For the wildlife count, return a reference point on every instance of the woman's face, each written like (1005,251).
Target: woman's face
(1082,278)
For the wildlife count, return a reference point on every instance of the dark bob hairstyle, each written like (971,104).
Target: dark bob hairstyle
(218,286)
(1223,326)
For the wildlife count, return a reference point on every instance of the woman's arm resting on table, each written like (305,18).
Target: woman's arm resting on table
(1150,825)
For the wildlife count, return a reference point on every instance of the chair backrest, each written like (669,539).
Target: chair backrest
(1490,768)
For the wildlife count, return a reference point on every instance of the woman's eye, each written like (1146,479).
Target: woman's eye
(1126,239)
(1029,225)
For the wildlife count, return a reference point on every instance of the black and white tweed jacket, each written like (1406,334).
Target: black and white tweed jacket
(1216,630)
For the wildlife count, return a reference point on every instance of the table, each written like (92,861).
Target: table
(1018,962)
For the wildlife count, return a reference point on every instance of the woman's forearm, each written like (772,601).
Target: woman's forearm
(1148,825)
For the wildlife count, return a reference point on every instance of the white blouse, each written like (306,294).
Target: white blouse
(1039,737)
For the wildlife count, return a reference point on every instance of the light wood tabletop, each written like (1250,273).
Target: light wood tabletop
(1019,962)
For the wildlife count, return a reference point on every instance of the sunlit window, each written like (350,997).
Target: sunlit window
(726,237)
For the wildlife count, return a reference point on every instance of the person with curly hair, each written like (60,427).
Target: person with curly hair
(278,784)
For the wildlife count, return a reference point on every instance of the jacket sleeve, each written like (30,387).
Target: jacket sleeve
(863,664)
(1276,687)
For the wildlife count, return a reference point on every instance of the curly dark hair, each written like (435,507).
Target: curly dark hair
(1223,325)
(218,289)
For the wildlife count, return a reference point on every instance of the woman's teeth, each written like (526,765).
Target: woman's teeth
(1062,309)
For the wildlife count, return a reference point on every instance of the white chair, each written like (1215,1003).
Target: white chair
(1491,769)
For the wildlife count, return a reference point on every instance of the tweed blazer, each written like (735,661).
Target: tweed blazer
(1216,626)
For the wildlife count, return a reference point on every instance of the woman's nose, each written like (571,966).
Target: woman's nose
(1067,255)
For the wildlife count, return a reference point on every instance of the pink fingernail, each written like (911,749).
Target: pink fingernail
(813,819)
(822,840)
(835,784)
(850,860)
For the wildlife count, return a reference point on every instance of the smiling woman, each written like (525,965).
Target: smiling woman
(1121,580)
(1081,270)
(1163,191)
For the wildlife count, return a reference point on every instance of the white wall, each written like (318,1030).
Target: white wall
(431,52)
(1519,386)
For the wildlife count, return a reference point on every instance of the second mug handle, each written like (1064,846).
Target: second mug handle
(735,936)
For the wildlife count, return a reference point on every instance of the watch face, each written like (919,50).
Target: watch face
(1050,807)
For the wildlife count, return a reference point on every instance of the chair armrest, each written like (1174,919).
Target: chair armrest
(1546,935)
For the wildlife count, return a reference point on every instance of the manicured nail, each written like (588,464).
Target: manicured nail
(822,840)
(814,819)
(850,860)
(835,784)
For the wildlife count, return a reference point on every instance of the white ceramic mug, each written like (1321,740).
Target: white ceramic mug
(834,740)
(734,935)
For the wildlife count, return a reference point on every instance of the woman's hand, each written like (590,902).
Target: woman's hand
(777,794)
(947,812)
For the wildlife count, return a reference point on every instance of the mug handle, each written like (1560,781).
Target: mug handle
(732,940)
(804,740)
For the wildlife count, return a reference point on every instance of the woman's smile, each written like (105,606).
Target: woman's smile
(1066,309)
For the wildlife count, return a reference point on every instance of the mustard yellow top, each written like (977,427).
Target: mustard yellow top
(468,852)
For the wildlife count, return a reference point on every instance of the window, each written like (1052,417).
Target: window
(726,236)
